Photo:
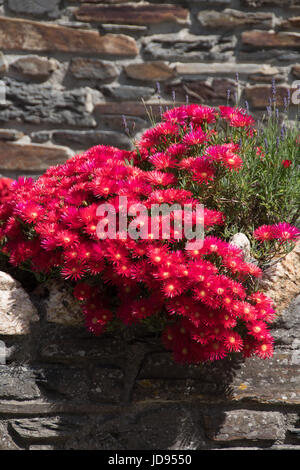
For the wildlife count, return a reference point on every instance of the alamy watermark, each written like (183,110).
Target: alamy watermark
(157,222)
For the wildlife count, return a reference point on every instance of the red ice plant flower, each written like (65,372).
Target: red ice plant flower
(4,189)
(286,163)
(203,294)
(282,232)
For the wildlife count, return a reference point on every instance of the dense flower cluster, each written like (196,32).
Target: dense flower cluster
(51,226)
(281,232)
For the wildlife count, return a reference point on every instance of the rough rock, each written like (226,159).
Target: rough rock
(127,92)
(269,55)
(266,74)
(16,309)
(229,18)
(115,122)
(291,23)
(6,442)
(244,424)
(86,139)
(281,281)
(26,35)
(48,8)
(85,68)
(149,71)
(256,38)
(137,14)
(37,104)
(61,306)
(187,47)
(202,91)
(296,70)
(10,134)
(34,68)
(129,108)
(18,383)
(218,68)
(259,96)
(32,157)
(275,381)
(45,428)
(270,3)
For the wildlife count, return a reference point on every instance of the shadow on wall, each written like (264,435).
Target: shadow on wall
(62,388)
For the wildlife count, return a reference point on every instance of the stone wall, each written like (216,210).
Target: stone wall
(70,69)
(62,388)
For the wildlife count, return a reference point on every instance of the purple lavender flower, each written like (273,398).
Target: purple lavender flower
(273,90)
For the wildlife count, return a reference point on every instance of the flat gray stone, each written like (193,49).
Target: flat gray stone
(18,383)
(6,442)
(38,104)
(45,428)
(230,18)
(246,425)
(87,139)
(86,68)
(126,92)
(187,47)
(38,8)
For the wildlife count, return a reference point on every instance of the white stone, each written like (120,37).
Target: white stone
(241,241)
(16,309)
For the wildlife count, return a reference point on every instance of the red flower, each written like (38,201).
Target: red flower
(284,232)
(5,192)
(233,341)
(195,137)
(286,163)
(82,291)
(265,232)
(264,350)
